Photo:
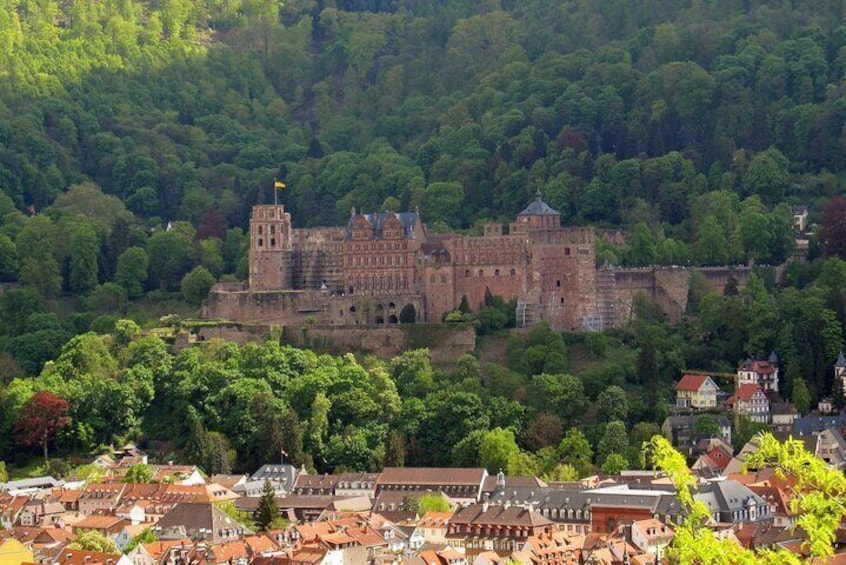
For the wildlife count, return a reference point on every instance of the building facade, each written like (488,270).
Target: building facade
(385,268)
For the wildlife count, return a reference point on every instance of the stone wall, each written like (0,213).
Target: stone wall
(666,286)
(446,342)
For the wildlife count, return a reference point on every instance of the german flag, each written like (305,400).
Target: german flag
(279,184)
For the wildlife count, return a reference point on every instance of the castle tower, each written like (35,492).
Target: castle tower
(539,216)
(270,248)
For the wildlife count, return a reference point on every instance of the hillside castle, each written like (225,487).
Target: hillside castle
(385,268)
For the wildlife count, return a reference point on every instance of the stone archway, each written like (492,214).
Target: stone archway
(392,319)
(408,315)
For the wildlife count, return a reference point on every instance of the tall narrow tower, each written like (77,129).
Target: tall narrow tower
(270,248)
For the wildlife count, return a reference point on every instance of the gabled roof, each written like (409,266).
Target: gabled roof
(693,382)
(757,366)
(377,220)
(483,514)
(745,393)
(841,360)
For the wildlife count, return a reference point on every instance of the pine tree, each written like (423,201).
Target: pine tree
(267,513)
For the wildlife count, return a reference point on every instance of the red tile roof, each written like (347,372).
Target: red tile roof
(690,382)
(760,367)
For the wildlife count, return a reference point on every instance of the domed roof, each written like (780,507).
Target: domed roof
(538,208)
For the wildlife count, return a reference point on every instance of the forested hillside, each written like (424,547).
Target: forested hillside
(619,111)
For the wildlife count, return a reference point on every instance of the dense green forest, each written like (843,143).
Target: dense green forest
(135,136)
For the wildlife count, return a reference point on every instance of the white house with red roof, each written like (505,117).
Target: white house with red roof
(751,401)
(696,391)
(761,372)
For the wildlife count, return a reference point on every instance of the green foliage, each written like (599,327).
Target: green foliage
(138,473)
(801,398)
(614,463)
(497,448)
(195,285)
(92,540)
(267,514)
(818,501)
(146,536)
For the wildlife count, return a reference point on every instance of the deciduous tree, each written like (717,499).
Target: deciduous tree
(40,418)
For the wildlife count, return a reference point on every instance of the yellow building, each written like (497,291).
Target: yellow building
(13,552)
(696,391)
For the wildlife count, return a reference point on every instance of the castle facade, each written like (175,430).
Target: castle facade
(385,268)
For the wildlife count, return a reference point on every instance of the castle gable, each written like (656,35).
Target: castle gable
(383,225)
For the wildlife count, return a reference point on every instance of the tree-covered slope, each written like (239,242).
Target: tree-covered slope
(619,111)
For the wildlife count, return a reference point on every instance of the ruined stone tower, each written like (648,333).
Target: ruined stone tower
(270,248)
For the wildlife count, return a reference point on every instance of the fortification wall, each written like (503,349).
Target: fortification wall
(668,287)
(446,342)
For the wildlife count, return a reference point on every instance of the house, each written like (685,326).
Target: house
(283,477)
(200,522)
(433,526)
(800,218)
(41,511)
(109,526)
(343,484)
(826,406)
(568,507)
(782,415)
(13,552)
(99,497)
(228,481)
(187,475)
(169,552)
(777,498)
(128,533)
(30,486)
(81,557)
(462,485)
(763,373)
(651,536)
(730,501)
(679,429)
(548,549)
(715,455)
(840,372)
(751,401)
(696,391)
(486,527)
(831,447)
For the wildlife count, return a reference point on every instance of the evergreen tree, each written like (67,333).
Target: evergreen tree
(267,513)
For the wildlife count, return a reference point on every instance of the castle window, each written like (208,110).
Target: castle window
(432,279)
(481,272)
(567,251)
(273,242)
(260,230)
(496,272)
(562,300)
(261,242)
(467,273)
(352,309)
(272,229)
(443,279)
(558,284)
(513,272)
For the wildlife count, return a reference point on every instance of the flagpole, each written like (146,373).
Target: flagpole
(275,198)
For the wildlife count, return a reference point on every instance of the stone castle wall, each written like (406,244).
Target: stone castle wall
(668,287)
